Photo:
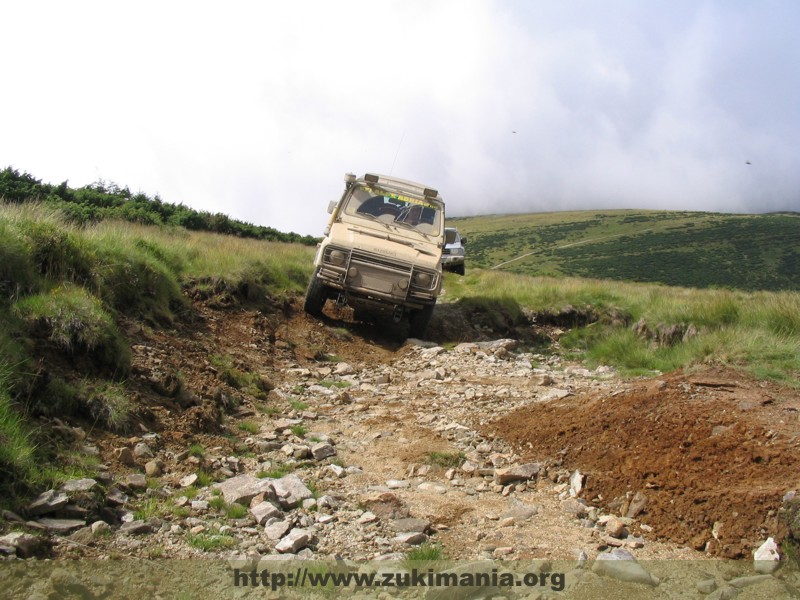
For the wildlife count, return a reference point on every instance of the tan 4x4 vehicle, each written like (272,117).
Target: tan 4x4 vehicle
(381,251)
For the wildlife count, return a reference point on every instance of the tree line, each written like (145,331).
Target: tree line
(105,200)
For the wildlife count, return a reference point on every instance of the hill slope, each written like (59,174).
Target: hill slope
(752,252)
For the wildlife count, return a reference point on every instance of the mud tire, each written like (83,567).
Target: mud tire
(316,295)
(418,322)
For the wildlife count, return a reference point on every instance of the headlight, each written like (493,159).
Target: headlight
(337,257)
(422,279)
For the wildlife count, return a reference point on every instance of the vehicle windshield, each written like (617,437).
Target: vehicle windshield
(396,209)
(456,238)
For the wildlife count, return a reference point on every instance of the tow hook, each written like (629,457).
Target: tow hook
(341,300)
(398,314)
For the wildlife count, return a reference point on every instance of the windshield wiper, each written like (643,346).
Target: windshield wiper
(412,228)
(392,238)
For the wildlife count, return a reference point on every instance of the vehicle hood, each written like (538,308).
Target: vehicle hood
(383,242)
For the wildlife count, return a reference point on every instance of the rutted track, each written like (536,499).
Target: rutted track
(394,411)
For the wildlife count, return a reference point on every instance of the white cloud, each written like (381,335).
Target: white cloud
(256,109)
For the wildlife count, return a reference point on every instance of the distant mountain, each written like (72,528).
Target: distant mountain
(693,249)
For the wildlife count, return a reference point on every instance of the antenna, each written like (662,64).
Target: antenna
(396,152)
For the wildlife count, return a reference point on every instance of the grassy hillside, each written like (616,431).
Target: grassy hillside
(750,252)
(641,328)
(67,290)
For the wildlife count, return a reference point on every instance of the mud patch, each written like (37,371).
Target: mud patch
(713,461)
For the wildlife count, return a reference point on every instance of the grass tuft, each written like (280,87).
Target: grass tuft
(209,542)
(445,459)
(74,321)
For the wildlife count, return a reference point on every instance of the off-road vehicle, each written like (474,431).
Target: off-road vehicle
(381,252)
(453,252)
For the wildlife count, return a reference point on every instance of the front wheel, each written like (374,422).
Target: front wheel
(315,296)
(418,321)
(459,270)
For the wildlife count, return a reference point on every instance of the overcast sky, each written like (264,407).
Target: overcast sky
(257,108)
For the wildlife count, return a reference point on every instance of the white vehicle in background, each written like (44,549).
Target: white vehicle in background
(382,251)
(453,252)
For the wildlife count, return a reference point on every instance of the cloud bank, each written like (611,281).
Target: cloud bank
(257,109)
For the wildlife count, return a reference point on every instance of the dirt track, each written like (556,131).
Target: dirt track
(713,451)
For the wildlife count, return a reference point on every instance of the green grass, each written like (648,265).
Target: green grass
(18,449)
(249,382)
(190,492)
(146,509)
(74,321)
(180,511)
(204,479)
(109,406)
(758,332)
(249,427)
(197,450)
(298,430)
(297,404)
(424,553)
(678,248)
(235,511)
(217,503)
(65,288)
(268,409)
(445,459)
(275,472)
(210,542)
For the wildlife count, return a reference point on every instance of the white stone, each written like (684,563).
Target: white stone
(766,559)
(294,541)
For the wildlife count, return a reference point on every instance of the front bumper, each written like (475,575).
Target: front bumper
(377,279)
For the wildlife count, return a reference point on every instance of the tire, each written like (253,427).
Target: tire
(459,270)
(418,321)
(316,295)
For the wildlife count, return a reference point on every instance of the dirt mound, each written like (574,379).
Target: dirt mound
(713,453)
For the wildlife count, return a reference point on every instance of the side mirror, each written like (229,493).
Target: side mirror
(449,237)
(331,206)
(463,241)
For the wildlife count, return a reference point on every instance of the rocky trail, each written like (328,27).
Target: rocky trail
(262,435)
